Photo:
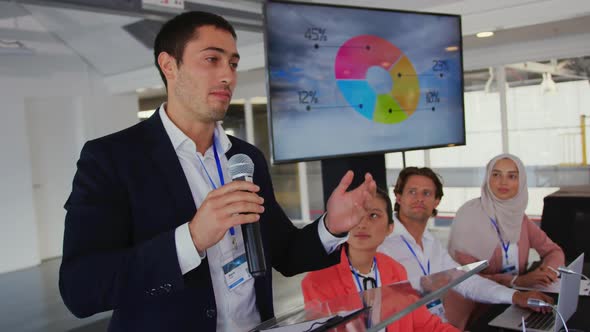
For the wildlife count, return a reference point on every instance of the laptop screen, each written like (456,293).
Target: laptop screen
(569,292)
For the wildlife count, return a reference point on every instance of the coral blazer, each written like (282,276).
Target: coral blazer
(338,280)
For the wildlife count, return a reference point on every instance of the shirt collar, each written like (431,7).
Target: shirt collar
(400,230)
(366,275)
(224,144)
(177,137)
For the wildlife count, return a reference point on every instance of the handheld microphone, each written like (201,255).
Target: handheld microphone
(241,168)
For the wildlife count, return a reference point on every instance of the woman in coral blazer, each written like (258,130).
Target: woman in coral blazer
(361,268)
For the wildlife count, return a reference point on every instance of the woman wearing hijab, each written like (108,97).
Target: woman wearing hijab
(495,227)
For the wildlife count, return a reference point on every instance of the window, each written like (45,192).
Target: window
(285,177)
(546,122)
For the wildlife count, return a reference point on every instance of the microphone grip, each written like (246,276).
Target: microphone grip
(253,242)
(254,249)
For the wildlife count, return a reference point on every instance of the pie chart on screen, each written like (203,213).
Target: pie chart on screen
(377,79)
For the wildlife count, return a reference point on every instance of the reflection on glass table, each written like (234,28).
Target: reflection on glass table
(373,309)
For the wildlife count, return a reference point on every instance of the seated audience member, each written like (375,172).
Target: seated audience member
(495,227)
(362,268)
(418,192)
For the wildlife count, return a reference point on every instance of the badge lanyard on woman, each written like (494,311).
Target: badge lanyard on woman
(507,266)
(356,276)
(362,289)
(232,231)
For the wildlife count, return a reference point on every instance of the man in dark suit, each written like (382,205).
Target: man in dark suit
(152,225)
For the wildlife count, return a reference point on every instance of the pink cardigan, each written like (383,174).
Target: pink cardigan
(531,236)
(460,309)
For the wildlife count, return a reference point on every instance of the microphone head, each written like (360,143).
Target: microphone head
(240,165)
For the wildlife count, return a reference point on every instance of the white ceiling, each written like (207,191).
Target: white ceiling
(99,40)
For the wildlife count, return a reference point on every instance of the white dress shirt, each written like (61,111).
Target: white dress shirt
(476,288)
(236,309)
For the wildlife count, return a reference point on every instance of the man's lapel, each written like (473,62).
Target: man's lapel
(164,157)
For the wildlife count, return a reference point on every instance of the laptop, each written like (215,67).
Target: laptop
(567,303)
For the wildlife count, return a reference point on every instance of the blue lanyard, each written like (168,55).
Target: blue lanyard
(356,276)
(219,170)
(232,231)
(505,246)
(426,272)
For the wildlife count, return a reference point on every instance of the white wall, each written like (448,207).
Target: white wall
(52,105)
(18,233)
(52,151)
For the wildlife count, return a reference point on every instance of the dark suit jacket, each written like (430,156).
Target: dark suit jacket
(129,194)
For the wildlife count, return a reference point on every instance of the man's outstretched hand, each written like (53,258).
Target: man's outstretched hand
(346,209)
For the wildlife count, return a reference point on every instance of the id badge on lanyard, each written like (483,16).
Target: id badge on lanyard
(235,264)
(436,308)
(510,260)
(235,270)
(509,253)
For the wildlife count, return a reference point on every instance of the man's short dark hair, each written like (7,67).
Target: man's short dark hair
(176,33)
(382,193)
(405,174)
